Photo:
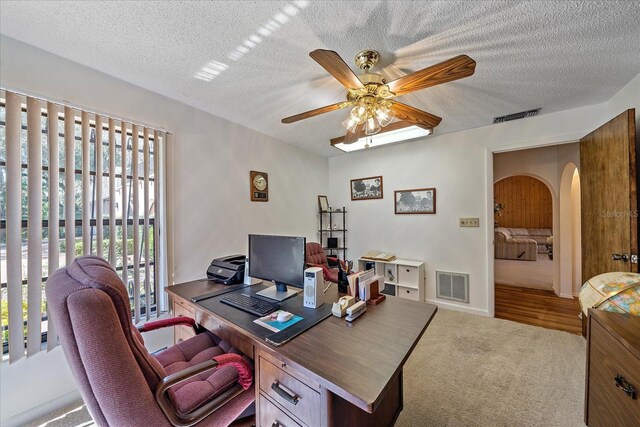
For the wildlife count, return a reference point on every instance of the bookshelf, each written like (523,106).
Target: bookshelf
(403,278)
(333,224)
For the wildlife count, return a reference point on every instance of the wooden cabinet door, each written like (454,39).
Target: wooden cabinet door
(608,196)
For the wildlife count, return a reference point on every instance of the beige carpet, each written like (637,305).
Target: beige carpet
(529,274)
(475,371)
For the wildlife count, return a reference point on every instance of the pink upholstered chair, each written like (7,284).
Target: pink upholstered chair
(202,381)
(316,257)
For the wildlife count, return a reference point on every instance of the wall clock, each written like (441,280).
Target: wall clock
(259,182)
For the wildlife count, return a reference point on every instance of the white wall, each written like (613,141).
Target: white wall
(460,166)
(576,232)
(627,97)
(212,214)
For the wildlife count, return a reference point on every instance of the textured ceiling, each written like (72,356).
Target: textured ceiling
(555,55)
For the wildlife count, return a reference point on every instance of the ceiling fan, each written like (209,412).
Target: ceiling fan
(372,97)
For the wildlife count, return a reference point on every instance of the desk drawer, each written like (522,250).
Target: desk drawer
(290,393)
(179,305)
(409,293)
(271,416)
(608,404)
(182,333)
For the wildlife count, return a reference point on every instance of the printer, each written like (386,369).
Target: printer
(228,270)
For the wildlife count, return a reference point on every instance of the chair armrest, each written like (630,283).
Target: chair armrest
(173,321)
(522,240)
(323,267)
(203,411)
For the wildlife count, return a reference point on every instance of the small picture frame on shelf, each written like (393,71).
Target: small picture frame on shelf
(323,204)
(332,242)
(416,201)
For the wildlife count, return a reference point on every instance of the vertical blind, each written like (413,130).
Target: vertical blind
(72,183)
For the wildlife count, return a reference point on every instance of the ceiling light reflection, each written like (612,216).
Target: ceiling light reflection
(214,68)
(290,10)
(281,18)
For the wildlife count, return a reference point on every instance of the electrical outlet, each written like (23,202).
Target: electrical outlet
(469,222)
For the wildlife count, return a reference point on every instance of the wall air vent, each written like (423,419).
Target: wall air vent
(452,286)
(516,116)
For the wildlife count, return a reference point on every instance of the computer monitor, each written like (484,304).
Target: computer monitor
(280,259)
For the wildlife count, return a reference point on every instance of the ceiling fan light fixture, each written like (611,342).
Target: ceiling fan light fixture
(350,124)
(359,113)
(384,116)
(372,127)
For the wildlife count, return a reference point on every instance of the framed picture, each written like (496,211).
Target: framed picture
(366,188)
(417,201)
(323,203)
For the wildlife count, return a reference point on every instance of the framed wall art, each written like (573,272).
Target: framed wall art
(416,201)
(366,188)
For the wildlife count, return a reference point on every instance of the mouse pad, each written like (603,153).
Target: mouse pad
(310,316)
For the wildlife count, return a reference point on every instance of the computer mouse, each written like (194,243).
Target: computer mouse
(284,316)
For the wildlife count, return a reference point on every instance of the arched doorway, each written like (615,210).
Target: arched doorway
(524,223)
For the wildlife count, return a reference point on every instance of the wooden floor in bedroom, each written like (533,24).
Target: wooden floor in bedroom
(537,307)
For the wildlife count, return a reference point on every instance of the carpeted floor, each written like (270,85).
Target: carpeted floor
(529,274)
(475,371)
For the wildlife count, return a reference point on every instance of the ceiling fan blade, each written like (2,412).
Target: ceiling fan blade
(317,111)
(452,69)
(352,137)
(331,61)
(414,116)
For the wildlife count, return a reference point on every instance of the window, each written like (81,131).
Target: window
(94,181)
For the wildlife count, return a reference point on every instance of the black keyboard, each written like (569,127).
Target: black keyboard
(250,304)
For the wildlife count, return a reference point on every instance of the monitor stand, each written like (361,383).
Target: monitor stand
(279,292)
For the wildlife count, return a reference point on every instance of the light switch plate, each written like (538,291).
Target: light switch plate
(469,222)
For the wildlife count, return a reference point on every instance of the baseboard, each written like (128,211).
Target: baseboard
(450,306)
(42,410)
(569,296)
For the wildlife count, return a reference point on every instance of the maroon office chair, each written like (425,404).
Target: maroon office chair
(202,381)
(316,257)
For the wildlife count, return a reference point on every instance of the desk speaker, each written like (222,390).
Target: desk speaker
(313,287)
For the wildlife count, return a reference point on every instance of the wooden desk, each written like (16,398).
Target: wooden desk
(343,373)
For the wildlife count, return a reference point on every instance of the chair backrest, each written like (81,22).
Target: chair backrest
(315,254)
(115,373)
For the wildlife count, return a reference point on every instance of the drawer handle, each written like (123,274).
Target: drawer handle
(625,386)
(285,393)
(277,424)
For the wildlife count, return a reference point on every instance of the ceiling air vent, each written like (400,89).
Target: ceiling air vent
(516,116)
